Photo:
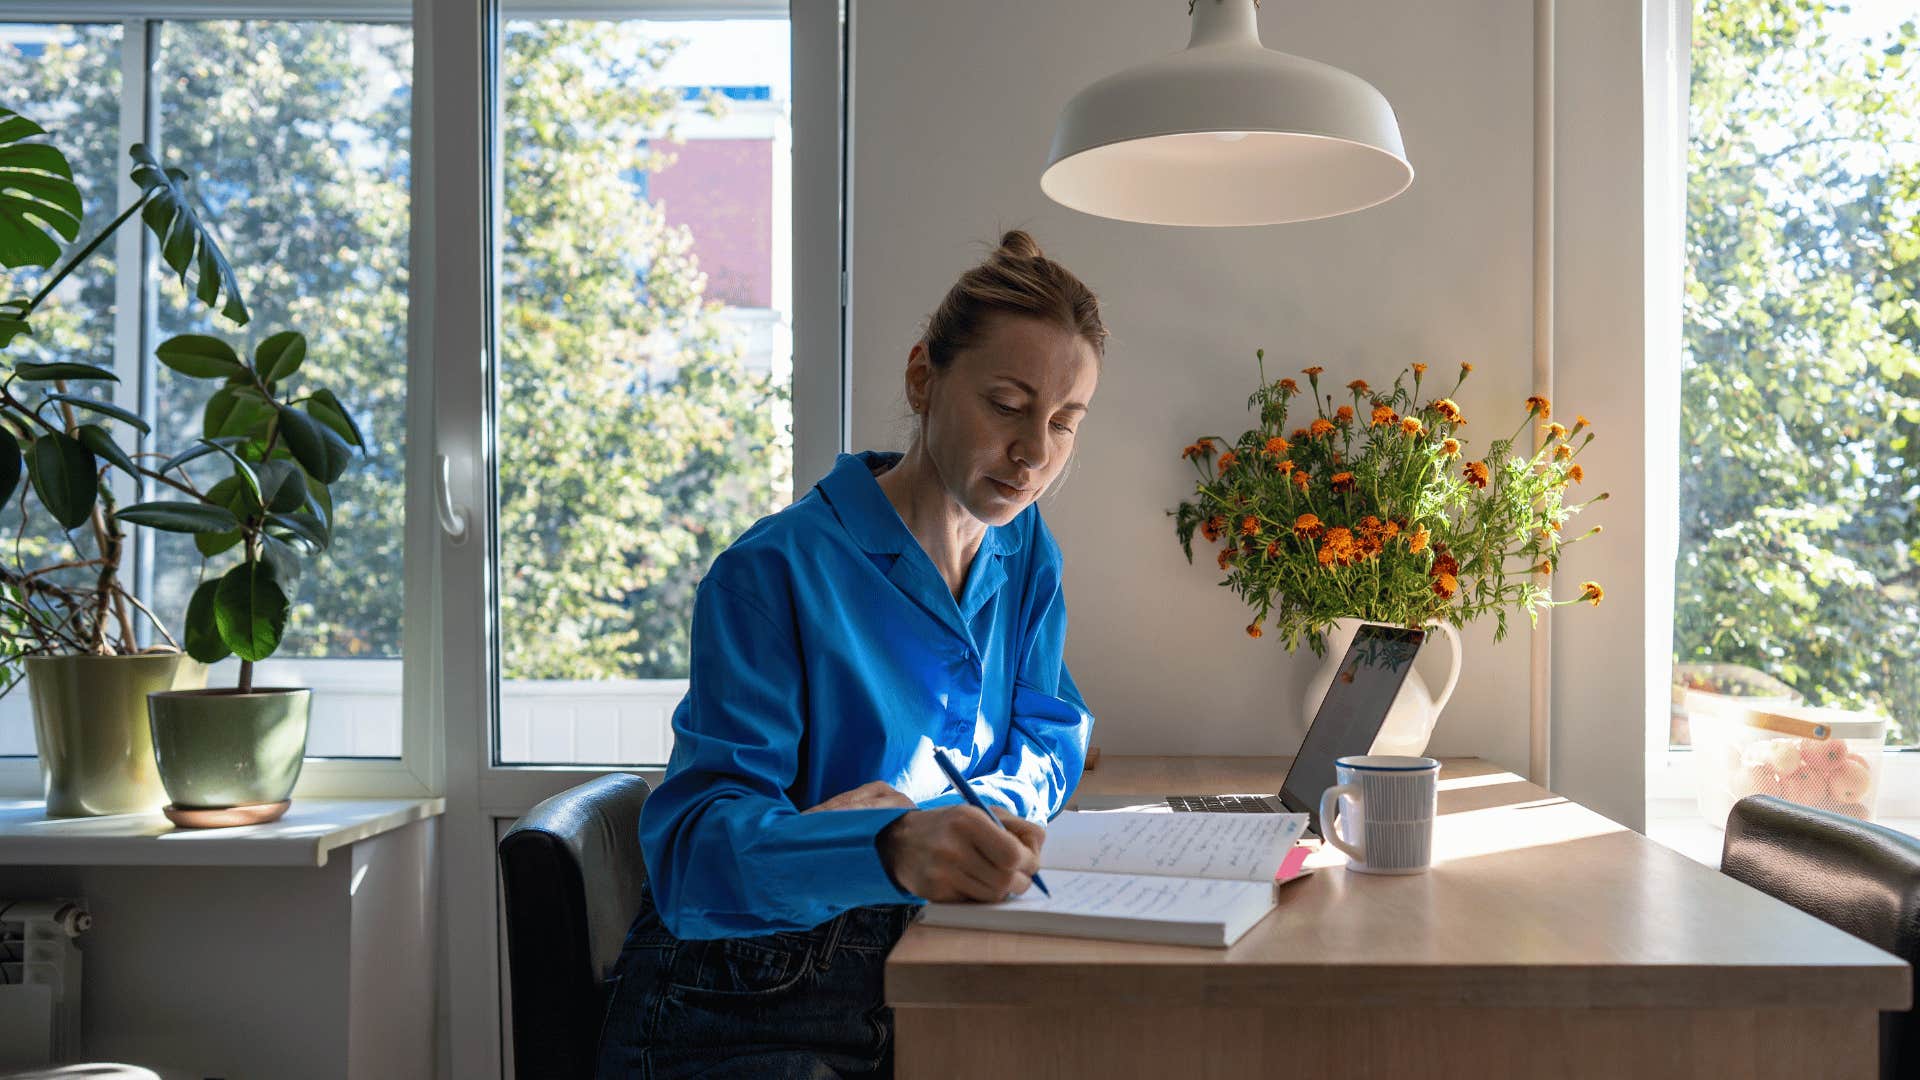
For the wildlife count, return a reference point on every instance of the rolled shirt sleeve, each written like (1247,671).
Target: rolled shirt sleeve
(727,851)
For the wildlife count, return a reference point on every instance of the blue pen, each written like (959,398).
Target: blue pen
(966,792)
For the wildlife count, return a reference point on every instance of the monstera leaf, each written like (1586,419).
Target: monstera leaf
(37,193)
(185,240)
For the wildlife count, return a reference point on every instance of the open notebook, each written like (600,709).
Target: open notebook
(1178,879)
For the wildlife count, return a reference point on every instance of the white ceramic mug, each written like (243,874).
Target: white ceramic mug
(1385,823)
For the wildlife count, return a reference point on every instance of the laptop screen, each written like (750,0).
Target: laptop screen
(1350,715)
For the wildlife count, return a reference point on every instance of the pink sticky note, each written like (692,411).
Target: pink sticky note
(1290,866)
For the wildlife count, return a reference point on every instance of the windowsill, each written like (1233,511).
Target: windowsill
(311,829)
(1678,825)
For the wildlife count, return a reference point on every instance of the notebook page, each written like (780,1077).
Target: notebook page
(1243,847)
(1139,896)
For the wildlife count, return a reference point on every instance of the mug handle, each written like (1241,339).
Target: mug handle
(1329,805)
(1453,674)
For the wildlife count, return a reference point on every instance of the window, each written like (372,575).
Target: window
(1799,552)
(645,339)
(296,134)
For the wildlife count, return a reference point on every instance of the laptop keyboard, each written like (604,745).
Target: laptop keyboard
(1221,804)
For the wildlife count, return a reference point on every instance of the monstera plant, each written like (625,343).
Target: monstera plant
(65,617)
(66,620)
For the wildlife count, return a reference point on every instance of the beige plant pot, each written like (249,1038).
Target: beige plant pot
(90,724)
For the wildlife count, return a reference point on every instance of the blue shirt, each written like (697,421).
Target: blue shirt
(828,652)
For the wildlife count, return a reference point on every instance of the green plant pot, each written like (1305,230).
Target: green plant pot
(90,725)
(222,748)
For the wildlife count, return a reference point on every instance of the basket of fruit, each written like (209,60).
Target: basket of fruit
(1824,758)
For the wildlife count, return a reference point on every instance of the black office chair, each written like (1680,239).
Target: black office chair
(1858,876)
(572,873)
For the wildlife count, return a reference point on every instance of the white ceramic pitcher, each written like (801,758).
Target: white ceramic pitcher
(1410,721)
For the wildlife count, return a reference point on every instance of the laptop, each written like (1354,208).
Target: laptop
(1350,717)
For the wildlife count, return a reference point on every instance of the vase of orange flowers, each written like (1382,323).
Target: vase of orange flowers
(1373,510)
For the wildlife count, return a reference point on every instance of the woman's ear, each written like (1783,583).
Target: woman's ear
(919,377)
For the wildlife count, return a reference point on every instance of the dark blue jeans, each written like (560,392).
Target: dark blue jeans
(800,1004)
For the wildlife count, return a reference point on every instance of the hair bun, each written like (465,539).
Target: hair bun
(1019,245)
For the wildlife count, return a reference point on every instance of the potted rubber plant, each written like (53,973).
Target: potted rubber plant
(66,621)
(232,755)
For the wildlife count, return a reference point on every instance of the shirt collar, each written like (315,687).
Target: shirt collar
(854,492)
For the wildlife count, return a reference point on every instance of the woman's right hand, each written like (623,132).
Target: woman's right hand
(955,853)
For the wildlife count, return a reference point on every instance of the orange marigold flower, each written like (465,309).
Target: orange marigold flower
(1342,482)
(1556,431)
(1562,452)
(1273,549)
(1390,530)
(1226,460)
(1576,474)
(1226,558)
(1591,592)
(1412,426)
(1285,467)
(1250,526)
(1325,555)
(1419,370)
(1253,629)
(1320,426)
(1445,585)
(1383,415)
(1344,414)
(1417,539)
(1476,473)
(1447,409)
(1371,546)
(1300,479)
(1358,386)
(1306,525)
(1370,524)
(1545,567)
(1466,368)
(1213,527)
(1190,450)
(1312,372)
(1443,563)
(1581,421)
(1541,405)
(1288,386)
(1277,446)
(1450,448)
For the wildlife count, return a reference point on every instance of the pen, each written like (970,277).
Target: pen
(966,792)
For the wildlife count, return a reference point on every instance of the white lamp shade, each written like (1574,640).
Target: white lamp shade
(1226,133)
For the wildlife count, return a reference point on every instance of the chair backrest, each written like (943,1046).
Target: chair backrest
(1858,876)
(572,873)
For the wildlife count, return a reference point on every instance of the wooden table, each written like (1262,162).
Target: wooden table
(1547,941)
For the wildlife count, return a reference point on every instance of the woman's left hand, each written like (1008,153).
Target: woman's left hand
(877,795)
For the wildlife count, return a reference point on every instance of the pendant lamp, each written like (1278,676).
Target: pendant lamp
(1227,132)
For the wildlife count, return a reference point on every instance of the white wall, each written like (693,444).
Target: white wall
(953,112)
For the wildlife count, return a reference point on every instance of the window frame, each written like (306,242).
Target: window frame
(1670,781)
(431,565)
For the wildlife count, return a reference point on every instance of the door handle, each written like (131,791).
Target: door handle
(453,519)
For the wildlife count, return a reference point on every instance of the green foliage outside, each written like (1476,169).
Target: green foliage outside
(616,487)
(1799,460)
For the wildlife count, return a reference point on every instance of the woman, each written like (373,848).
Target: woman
(908,602)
